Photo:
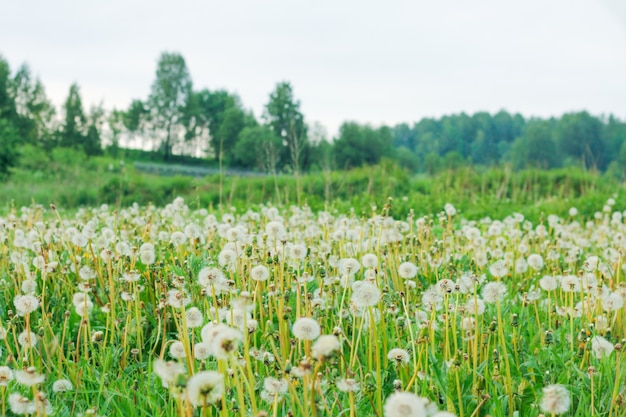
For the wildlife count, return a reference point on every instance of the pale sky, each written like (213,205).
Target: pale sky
(370,62)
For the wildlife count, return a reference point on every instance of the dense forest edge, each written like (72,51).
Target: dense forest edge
(150,152)
(177,122)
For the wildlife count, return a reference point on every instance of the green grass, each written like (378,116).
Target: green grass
(461,360)
(72,182)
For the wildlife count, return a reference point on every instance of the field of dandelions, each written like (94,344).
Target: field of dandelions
(184,312)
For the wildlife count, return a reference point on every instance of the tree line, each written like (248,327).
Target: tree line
(177,120)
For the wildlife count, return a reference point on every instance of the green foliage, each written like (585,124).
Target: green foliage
(179,124)
(169,97)
(359,145)
(283,116)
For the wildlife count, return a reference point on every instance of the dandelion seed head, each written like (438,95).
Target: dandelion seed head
(555,400)
(29,377)
(494,292)
(407,270)
(399,356)
(62,385)
(25,304)
(260,273)
(365,294)
(404,404)
(306,328)
(6,376)
(325,346)
(204,388)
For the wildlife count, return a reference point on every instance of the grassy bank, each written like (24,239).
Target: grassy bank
(475,192)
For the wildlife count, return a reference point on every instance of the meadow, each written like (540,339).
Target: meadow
(471,294)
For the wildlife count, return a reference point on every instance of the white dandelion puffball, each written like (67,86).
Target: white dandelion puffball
(365,295)
(407,270)
(306,328)
(494,292)
(399,356)
(260,273)
(206,387)
(325,346)
(601,347)
(555,400)
(404,404)
(535,261)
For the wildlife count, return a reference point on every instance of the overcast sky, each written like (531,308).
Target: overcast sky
(375,62)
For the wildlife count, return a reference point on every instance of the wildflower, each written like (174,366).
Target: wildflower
(298,252)
(168,371)
(499,269)
(213,279)
(432,299)
(548,283)
(25,304)
(178,238)
(130,277)
(404,404)
(29,286)
(369,260)
(194,318)
(399,356)
(225,342)
(6,375)
(570,283)
(210,330)
(555,400)
(449,209)
(259,273)
(365,295)
(493,292)
(226,258)
(20,404)
(275,386)
(206,387)
(601,347)
(349,266)
(62,385)
(177,298)
(407,270)
(27,339)
(521,266)
(201,351)
(475,306)
(612,302)
(42,403)
(535,261)
(275,229)
(306,328)
(177,350)
(29,377)
(325,345)
(147,257)
(347,385)
(86,273)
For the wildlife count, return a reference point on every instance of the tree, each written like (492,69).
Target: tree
(92,143)
(74,128)
(579,135)
(168,102)
(9,133)
(282,114)
(362,145)
(136,121)
(36,113)
(536,148)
